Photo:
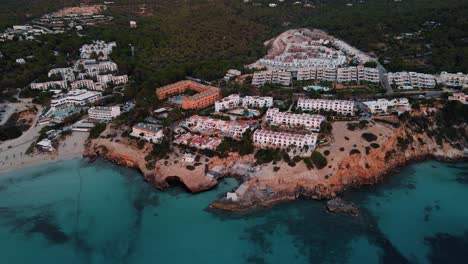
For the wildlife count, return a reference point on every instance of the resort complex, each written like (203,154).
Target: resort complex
(205,96)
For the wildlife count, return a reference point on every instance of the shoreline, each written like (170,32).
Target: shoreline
(289,197)
(38,162)
(70,147)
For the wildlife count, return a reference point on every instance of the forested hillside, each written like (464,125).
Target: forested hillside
(203,38)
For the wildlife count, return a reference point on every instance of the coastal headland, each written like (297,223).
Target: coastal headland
(353,161)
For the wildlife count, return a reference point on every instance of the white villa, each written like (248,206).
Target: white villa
(381,106)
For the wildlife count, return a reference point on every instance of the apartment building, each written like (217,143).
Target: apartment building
(228,103)
(347,74)
(100,68)
(103,114)
(80,84)
(342,107)
(271,139)
(100,48)
(381,106)
(74,98)
(49,85)
(207,95)
(461,97)
(272,76)
(257,101)
(66,74)
(368,74)
(304,74)
(414,79)
(326,74)
(148,132)
(307,121)
(454,79)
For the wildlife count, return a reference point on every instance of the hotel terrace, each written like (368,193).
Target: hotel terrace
(217,127)
(271,139)
(309,122)
(206,96)
(341,107)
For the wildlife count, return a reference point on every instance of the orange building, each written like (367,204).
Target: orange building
(206,96)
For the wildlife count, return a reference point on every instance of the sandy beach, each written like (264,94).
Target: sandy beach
(14,158)
(12,152)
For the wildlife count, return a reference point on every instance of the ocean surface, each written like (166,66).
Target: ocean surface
(76,212)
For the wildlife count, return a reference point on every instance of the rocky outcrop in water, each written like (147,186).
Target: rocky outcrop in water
(338,205)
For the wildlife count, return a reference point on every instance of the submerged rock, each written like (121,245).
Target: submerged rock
(338,205)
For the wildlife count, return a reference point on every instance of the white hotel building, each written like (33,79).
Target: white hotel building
(271,139)
(257,101)
(74,98)
(272,76)
(413,79)
(103,114)
(341,107)
(309,122)
(148,132)
(228,103)
(454,79)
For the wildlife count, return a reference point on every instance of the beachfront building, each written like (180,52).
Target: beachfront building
(272,76)
(461,97)
(216,127)
(206,96)
(99,48)
(414,79)
(342,107)
(454,79)
(271,139)
(227,103)
(257,101)
(306,121)
(148,132)
(381,106)
(74,98)
(231,74)
(103,114)
(49,85)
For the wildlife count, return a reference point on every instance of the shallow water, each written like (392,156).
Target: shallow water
(76,212)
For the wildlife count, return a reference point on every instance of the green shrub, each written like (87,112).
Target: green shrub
(326,152)
(354,151)
(318,160)
(374,145)
(369,137)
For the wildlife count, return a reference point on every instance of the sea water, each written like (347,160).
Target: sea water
(76,212)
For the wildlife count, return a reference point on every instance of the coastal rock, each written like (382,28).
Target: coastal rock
(338,205)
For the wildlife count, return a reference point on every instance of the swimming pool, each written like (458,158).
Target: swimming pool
(63,113)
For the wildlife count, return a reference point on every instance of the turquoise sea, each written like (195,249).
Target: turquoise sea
(76,212)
